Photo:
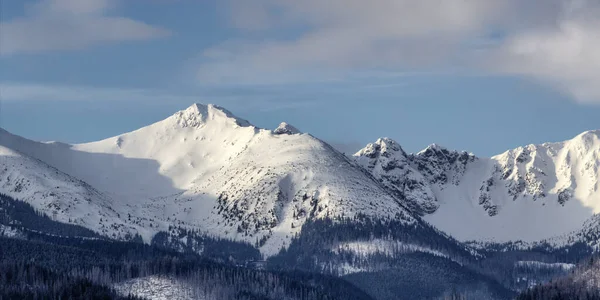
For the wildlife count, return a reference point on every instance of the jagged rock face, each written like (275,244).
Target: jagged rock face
(384,147)
(441,166)
(414,176)
(524,173)
(557,172)
(556,184)
(485,198)
(389,164)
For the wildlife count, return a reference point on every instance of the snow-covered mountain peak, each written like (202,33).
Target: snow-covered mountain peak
(595,133)
(198,114)
(390,146)
(434,149)
(389,164)
(202,169)
(589,139)
(285,128)
(385,147)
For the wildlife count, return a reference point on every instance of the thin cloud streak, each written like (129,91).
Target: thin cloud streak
(71,25)
(265,100)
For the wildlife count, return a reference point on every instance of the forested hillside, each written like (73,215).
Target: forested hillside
(583,283)
(38,265)
(389,259)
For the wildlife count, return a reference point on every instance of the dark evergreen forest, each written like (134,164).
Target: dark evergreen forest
(582,283)
(73,263)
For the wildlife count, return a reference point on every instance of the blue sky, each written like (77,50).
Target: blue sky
(482,76)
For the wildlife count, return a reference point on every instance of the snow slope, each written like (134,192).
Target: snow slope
(206,169)
(58,195)
(543,265)
(529,193)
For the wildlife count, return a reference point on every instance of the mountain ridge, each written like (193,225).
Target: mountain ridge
(561,178)
(207,169)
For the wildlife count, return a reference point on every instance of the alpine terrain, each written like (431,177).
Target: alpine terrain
(527,194)
(210,190)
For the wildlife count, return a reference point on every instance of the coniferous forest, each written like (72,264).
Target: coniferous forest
(66,265)
(583,283)
(40,270)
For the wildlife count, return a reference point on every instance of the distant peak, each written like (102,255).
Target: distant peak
(197,108)
(384,146)
(285,128)
(436,147)
(590,134)
(198,114)
(193,116)
(388,144)
(588,139)
(433,148)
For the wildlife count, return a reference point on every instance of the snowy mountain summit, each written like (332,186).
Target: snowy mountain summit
(205,169)
(199,115)
(285,128)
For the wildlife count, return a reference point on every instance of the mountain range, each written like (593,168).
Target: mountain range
(207,171)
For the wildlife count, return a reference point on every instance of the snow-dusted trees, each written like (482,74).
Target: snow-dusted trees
(583,284)
(58,267)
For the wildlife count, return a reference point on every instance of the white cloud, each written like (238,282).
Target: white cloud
(555,41)
(12,92)
(567,56)
(345,34)
(70,24)
(248,100)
